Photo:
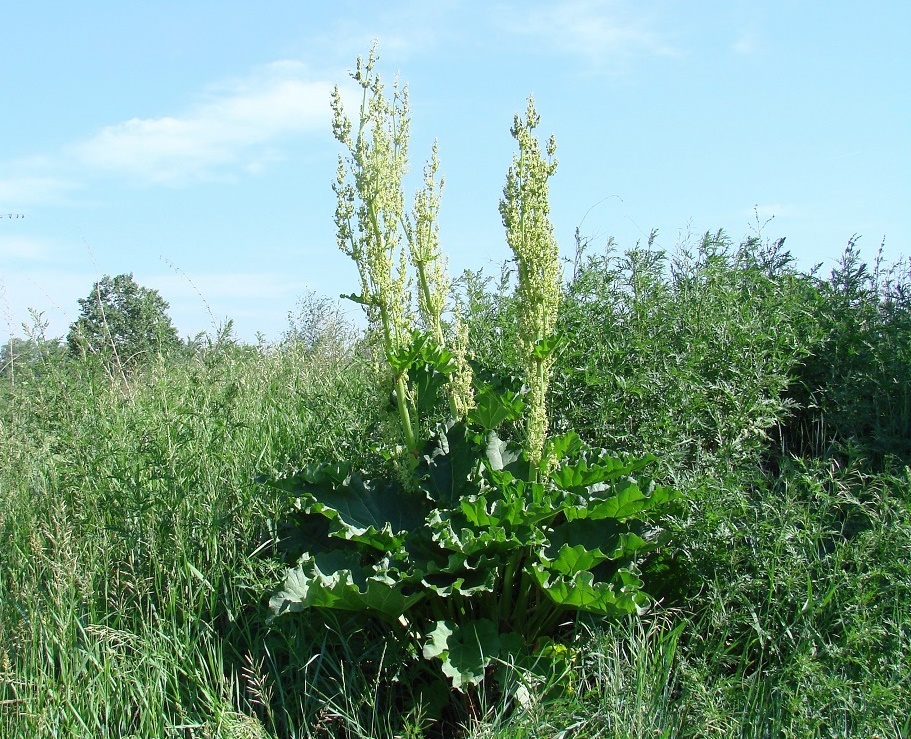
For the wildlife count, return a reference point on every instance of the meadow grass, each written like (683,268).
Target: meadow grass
(139,550)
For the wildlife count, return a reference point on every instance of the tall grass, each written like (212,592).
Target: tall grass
(139,551)
(132,595)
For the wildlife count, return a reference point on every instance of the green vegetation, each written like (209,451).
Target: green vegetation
(142,543)
(478,549)
(123,322)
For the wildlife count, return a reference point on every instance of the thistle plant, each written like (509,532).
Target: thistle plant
(525,211)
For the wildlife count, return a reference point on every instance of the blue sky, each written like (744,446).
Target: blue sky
(190,143)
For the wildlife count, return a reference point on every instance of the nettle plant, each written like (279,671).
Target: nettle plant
(482,547)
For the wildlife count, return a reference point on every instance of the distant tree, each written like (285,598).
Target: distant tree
(23,358)
(13,351)
(120,319)
(318,323)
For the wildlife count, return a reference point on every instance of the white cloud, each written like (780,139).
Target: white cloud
(23,247)
(28,189)
(746,44)
(599,30)
(234,126)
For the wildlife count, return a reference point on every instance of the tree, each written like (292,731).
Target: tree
(123,322)
(19,355)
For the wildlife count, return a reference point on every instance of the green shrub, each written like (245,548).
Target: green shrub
(853,392)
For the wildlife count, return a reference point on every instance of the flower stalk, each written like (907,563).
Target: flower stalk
(395,251)
(525,211)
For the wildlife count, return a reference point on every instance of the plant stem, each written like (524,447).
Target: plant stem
(521,607)
(506,595)
(401,402)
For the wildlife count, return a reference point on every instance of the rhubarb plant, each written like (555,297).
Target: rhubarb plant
(487,544)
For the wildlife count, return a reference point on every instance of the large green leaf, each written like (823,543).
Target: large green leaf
(581,474)
(619,596)
(545,347)
(429,368)
(465,650)
(462,582)
(493,406)
(605,539)
(620,500)
(498,399)
(512,507)
(503,455)
(448,465)
(454,533)
(379,515)
(300,532)
(337,580)
(559,448)
(520,500)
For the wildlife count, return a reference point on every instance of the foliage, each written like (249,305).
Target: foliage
(480,546)
(25,357)
(128,523)
(137,544)
(478,564)
(688,356)
(799,627)
(137,548)
(123,323)
(854,390)
(319,323)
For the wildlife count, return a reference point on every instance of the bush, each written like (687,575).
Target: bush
(853,392)
(686,357)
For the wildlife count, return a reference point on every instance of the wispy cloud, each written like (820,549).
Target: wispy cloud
(236,127)
(600,31)
(24,248)
(747,43)
(232,128)
(28,189)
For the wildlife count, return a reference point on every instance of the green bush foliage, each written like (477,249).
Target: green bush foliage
(123,322)
(854,390)
(138,548)
(139,543)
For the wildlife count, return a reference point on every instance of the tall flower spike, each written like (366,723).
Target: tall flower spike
(376,232)
(370,209)
(461,392)
(424,241)
(525,211)
(370,198)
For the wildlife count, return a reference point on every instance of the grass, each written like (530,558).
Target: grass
(139,550)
